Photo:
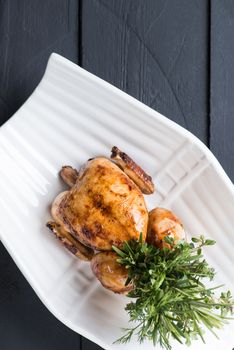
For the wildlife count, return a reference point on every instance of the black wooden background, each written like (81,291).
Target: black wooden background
(176,56)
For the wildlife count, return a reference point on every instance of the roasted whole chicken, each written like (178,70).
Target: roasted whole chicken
(105,206)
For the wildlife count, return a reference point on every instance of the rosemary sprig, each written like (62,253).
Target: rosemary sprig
(170,299)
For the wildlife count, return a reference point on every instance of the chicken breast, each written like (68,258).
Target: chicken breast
(104,207)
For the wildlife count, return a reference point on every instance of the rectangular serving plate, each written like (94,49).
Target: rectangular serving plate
(72,116)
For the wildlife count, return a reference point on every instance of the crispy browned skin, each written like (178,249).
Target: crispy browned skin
(69,175)
(109,272)
(103,208)
(73,245)
(162,223)
(134,171)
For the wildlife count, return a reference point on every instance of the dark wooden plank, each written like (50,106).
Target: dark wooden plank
(25,323)
(222,83)
(154,50)
(157,51)
(29,32)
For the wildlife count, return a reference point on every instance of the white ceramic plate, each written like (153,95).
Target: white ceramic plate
(72,116)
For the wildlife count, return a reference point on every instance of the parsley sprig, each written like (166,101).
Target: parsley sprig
(170,299)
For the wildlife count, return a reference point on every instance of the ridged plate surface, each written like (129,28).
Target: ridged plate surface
(72,116)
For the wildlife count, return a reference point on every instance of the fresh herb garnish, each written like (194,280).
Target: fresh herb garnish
(170,298)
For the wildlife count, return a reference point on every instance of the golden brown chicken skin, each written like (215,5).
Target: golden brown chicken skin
(104,207)
(110,273)
(163,223)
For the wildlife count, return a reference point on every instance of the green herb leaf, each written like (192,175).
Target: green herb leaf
(119,252)
(169,299)
(195,240)
(209,242)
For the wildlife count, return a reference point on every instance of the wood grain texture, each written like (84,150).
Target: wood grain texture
(29,32)
(154,50)
(222,83)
